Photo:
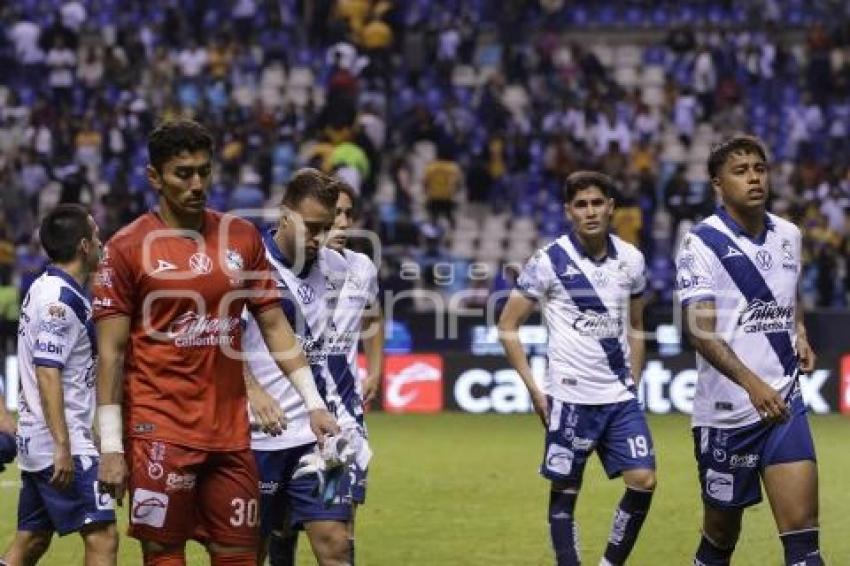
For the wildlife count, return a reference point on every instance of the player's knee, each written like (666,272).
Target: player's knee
(565,486)
(34,545)
(722,533)
(643,480)
(156,554)
(332,546)
(102,540)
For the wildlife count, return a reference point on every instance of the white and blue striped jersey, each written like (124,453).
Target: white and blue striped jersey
(585,308)
(55,330)
(753,284)
(306,299)
(357,291)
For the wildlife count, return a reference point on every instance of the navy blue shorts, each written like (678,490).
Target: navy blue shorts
(44,508)
(616,431)
(731,460)
(358,485)
(8,449)
(299,500)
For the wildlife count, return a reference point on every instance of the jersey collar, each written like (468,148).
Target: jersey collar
(277,254)
(736,228)
(66,277)
(610,252)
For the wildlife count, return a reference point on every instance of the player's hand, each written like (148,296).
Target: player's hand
(768,402)
(112,475)
(63,468)
(322,424)
(806,354)
(541,406)
(266,411)
(370,388)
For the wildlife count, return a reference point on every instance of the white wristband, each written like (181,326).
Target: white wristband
(109,428)
(302,380)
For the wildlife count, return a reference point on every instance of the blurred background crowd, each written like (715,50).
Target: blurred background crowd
(456,121)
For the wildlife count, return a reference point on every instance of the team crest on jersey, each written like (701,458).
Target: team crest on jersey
(200,263)
(56,311)
(764,260)
(103,277)
(306,293)
(355,281)
(788,261)
(233,260)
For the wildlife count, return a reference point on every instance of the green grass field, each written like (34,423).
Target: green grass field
(457,489)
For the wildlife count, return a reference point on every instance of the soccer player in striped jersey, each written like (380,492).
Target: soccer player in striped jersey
(57,355)
(737,278)
(589,284)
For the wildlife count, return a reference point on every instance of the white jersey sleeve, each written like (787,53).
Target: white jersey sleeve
(637,276)
(696,268)
(56,330)
(537,277)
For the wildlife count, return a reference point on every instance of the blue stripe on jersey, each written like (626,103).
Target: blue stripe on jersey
(345,383)
(752,286)
(75,303)
(47,363)
(584,296)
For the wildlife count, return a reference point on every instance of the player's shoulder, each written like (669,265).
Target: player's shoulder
(782,226)
(359,261)
(130,235)
(626,250)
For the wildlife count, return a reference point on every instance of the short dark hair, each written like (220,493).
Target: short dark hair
(310,183)
(581,180)
(344,187)
(62,230)
(171,138)
(737,144)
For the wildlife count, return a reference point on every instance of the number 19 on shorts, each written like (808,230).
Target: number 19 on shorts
(638,446)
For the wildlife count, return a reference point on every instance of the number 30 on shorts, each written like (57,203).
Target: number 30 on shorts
(638,446)
(244,513)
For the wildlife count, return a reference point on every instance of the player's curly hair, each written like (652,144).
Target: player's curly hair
(581,180)
(736,144)
(310,183)
(171,138)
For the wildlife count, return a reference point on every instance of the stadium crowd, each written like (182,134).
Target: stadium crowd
(457,122)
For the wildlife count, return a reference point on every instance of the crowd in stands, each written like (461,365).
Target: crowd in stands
(456,121)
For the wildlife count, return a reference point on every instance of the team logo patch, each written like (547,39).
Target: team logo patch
(103,501)
(719,455)
(719,486)
(306,293)
(764,260)
(200,263)
(103,278)
(148,508)
(56,311)
(234,261)
(559,459)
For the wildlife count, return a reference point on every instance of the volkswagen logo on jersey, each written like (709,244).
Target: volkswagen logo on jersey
(306,293)
(200,263)
(599,278)
(764,260)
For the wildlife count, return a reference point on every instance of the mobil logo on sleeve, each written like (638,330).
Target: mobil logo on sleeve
(413,383)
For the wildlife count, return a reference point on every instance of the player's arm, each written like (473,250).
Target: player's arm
(112,335)
(700,320)
(52,396)
(289,357)
(807,356)
(265,408)
(637,344)
(373,346)
(516,311)
(7,421)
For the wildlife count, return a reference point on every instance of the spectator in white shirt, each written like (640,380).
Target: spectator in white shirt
(61,63)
